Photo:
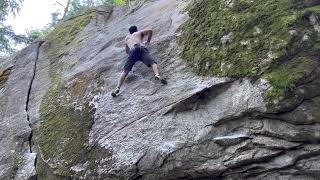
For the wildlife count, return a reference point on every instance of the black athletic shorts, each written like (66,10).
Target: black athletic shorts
(138,53)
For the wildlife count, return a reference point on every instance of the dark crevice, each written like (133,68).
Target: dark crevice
(283,119)
(276,116)
(137,175)
(30,138)
(29,93)
(35,166)
(252,114)
(197,100)
(250,173)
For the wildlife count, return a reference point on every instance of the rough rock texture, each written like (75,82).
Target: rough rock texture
(16,134)
(59,121)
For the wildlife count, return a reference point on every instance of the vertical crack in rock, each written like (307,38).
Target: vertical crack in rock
(28,98)
(137,171)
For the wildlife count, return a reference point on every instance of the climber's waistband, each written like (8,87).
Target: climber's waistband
(137,48)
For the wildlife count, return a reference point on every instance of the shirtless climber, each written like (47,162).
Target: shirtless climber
(137,51)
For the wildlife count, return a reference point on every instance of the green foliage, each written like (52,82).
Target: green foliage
(9,6)
(120,2)
(34,34)
(76,7)
(113,2)
(54,19)
(8,40)
(7,36)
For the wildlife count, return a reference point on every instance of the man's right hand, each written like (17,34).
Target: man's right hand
(146,44)
(147,33)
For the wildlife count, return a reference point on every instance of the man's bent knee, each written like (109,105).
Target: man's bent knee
(153,64)
(126,72)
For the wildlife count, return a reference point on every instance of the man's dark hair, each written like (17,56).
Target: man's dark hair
(133,29)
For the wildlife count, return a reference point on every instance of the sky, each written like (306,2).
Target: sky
(34,14)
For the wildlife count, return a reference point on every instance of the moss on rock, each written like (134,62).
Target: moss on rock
(64,130)
(244,38)
(4,75)
(285,77)
(45,173)
(66,115)
(61,38)
(18,160)
(63,136)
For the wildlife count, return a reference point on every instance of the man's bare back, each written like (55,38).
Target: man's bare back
(132,39)
(137,38)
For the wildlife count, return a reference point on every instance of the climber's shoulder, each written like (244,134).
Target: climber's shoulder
(127,37)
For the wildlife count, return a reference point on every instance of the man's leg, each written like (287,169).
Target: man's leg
(156,72)
(148,61)
(122,78)
(120,82)
(155,69)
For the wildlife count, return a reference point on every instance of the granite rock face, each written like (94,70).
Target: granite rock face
(59,121)
(16,154)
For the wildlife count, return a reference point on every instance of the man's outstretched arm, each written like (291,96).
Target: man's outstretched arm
(147,33)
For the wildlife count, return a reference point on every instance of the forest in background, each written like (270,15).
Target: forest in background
(9,39)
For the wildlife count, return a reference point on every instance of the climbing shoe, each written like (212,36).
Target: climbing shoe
(115,92)
(158,78)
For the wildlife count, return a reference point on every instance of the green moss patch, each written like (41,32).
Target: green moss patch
(64,130)
(63,135)
(245,38)
(4,75)
(79,85)
(285,77)
(61,38)
(66,116)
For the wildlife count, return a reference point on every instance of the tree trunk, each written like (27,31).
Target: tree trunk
(66,9)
